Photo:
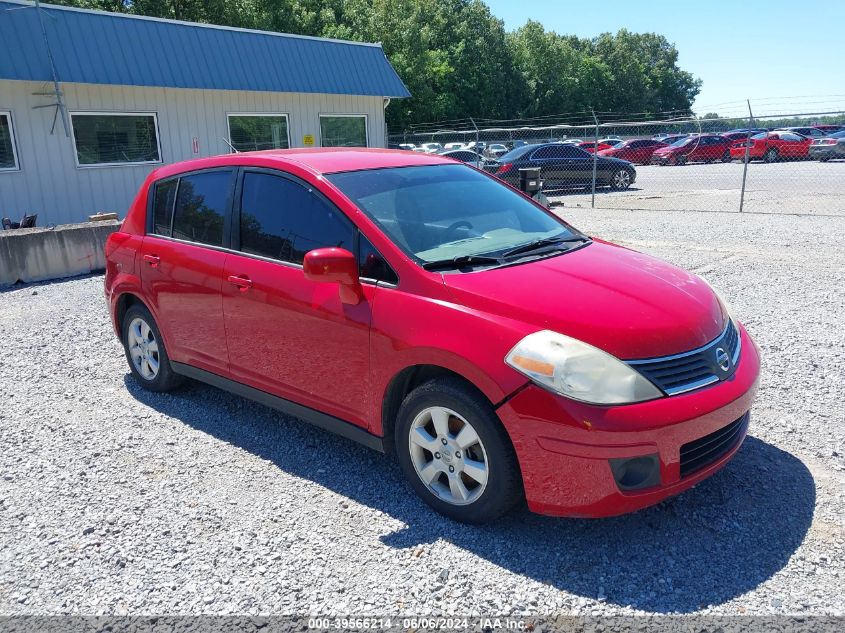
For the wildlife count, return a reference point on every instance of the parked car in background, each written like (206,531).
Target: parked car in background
(516,143)
(589,146)
(809,132)
(738,136)
(773,146)
(429,148)
(565,166)
(410,147)
(430,312)
(476,146)
(635,150)
(672,138)
(830,129)
(453,145)
(610,140)
(703,148)
(832,146)
(466,156)
(744,130)
(494,150)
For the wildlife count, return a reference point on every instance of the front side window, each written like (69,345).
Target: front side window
(282,219)
(8,153)
(371,263)
(343,131)
(252,132)
(201,203)
(440,212)
(114,139)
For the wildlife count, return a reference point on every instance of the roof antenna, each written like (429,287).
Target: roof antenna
(61,110)
(231,147)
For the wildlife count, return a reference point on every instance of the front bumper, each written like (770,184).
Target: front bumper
(565,447)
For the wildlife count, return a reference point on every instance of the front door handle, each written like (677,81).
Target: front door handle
(152,260)
(243,283)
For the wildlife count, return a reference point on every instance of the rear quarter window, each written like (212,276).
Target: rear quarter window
(164,197)
(201,203)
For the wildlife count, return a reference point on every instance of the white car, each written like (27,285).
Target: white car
(452,146)
(430,148)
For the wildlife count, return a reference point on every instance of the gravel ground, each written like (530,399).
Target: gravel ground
(114,500)
(806,187)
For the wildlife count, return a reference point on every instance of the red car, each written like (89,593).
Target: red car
(427,310)
(773,146)
(705,148)
(635,151)
(589,146)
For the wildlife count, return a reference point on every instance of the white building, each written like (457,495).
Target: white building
(95,101)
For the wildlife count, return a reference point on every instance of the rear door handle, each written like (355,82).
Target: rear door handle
(152,260)
(244,283)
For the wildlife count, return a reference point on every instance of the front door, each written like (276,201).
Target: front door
(287,335)
(182,266)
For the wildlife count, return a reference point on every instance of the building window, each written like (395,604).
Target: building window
(8,153)
(343,130)
(115,138)
(250,132)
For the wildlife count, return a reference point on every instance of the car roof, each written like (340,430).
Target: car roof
(321,160)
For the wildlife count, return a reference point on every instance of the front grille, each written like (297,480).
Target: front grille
(692,370)
(705,450)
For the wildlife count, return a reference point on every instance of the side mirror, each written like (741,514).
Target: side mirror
(334,265)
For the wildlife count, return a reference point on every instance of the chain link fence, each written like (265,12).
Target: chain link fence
(770,163)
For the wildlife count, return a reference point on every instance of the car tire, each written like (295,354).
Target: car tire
(824,159)
(621,180)
(771,155)
(455,453)
(145,351)
(726,157)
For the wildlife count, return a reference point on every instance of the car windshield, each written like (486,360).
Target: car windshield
(682,141)
(838,134)
(442,212)
(761,136)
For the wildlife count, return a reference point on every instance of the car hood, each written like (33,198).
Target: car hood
(626,303)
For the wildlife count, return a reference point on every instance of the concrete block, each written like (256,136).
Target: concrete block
(64,251)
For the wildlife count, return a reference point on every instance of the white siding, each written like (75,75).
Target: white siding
(50,184)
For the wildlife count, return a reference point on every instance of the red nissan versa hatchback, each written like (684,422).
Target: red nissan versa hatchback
(426,309)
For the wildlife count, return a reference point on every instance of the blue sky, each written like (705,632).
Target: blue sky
(786,56)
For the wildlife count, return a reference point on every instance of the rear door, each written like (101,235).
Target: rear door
(182,265)
(287,335)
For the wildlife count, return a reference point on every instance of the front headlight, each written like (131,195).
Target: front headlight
(579,371)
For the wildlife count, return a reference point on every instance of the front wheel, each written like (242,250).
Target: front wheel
(621,180)
(455,453)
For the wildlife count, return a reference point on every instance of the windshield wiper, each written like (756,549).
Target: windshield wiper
(543,243)
(461,261)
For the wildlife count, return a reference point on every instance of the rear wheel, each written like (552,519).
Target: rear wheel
(455,453)
(145,351)
(726,157)
(621,180)
(771,155)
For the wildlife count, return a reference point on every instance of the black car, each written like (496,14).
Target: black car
(565,166)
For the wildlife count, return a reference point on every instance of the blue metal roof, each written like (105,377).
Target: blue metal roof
(113,48)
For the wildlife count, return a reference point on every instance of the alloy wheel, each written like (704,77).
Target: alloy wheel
(448,456)
(622,179)
(143,348)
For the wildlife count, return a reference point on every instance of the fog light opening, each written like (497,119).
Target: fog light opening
(635,473)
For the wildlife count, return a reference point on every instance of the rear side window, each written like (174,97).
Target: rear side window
(201,202)
(165,196)
(283,219)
